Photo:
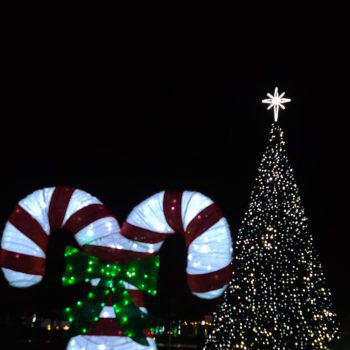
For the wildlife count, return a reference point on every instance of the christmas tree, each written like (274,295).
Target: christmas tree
(277,299)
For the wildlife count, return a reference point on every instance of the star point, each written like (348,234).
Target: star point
(276,101)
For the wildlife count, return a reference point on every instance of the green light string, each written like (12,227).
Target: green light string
(81,267)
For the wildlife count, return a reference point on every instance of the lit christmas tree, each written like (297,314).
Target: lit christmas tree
(277,299)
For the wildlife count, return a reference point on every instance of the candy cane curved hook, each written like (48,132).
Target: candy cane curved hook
(205,229)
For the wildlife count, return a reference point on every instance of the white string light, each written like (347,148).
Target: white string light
(277,298)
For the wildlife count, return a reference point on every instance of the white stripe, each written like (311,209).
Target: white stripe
(142,247)
(95,281)
(211,251)
(20,279)
(212,294)
(118,241)
(100,228)
(15,241)
(37,205)
(143,309)
(107,312)
(130,286)
(149,215)
(192,203)
(95,342)
(79,199)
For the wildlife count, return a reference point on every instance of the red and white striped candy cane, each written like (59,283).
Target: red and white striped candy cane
(24,242)
(206,232)
(26,234)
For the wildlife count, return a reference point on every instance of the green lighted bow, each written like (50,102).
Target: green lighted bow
(81,267)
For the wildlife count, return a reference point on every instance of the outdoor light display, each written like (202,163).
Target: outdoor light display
(119,263)
(206,232)
(278,298)
(115,303)
(27,231)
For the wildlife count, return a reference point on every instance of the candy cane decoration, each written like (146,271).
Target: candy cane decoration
(195,216)
(26,234)
(24,242)
(206,232)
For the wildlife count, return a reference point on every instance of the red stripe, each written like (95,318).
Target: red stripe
(148,333)
(172,210)
(29,226)
(108,254)
(202,222)
(137,297)
(210,281)
(22,262)
(58,205)
(106,326)
(86,216)
(139,234)
(110,300)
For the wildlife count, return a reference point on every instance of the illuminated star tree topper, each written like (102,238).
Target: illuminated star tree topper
(276,101)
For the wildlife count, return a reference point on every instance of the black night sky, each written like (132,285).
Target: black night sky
(126,133)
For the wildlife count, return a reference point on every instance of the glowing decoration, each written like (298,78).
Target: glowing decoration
(26,234)
(276,101)
(24,242)
(116,295)
(107,323)
(277,299)
(206,232)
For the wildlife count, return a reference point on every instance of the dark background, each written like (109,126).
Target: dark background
(125,131)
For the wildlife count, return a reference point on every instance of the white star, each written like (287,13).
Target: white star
(276,101)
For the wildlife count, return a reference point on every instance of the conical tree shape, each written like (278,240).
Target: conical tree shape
(277,299)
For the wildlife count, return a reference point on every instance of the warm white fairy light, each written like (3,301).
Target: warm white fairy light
(277,299)
(276,101)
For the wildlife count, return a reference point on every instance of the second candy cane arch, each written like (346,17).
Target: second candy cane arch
(206,232)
